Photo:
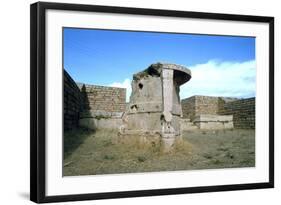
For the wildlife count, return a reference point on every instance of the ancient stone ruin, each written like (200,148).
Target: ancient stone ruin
(155,106)
(211,112)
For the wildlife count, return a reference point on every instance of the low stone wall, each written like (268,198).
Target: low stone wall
(92,106)
(71,103)
(103,106)
(243,112)
(198,105)
(214,122)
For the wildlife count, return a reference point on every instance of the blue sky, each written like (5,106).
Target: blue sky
(220,65)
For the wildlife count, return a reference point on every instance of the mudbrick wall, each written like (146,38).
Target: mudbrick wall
(72,102)
(243,112)
(103,98)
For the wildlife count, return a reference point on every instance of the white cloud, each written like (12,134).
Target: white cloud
(216,78)
(125,84)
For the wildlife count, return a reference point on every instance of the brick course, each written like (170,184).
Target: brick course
(243,110)
(102,98)
(80,99)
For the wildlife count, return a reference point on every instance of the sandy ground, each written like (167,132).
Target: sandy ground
(89,153)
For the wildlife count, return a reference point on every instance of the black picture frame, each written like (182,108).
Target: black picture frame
(38,101)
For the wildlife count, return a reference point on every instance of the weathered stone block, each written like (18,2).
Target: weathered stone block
(155,103)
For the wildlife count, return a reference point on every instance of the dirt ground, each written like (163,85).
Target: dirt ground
(88,153)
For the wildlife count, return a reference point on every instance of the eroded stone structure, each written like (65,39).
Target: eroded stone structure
(155,106)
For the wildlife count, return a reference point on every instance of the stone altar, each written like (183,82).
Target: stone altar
(155,106)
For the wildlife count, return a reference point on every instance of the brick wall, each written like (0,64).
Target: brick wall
(243,112)
(109,99)
(206,105)
(82,100)
(197,104)
(72,103)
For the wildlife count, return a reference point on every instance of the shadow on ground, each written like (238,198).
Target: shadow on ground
(73,139)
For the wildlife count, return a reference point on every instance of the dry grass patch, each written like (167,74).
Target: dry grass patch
(104,152)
